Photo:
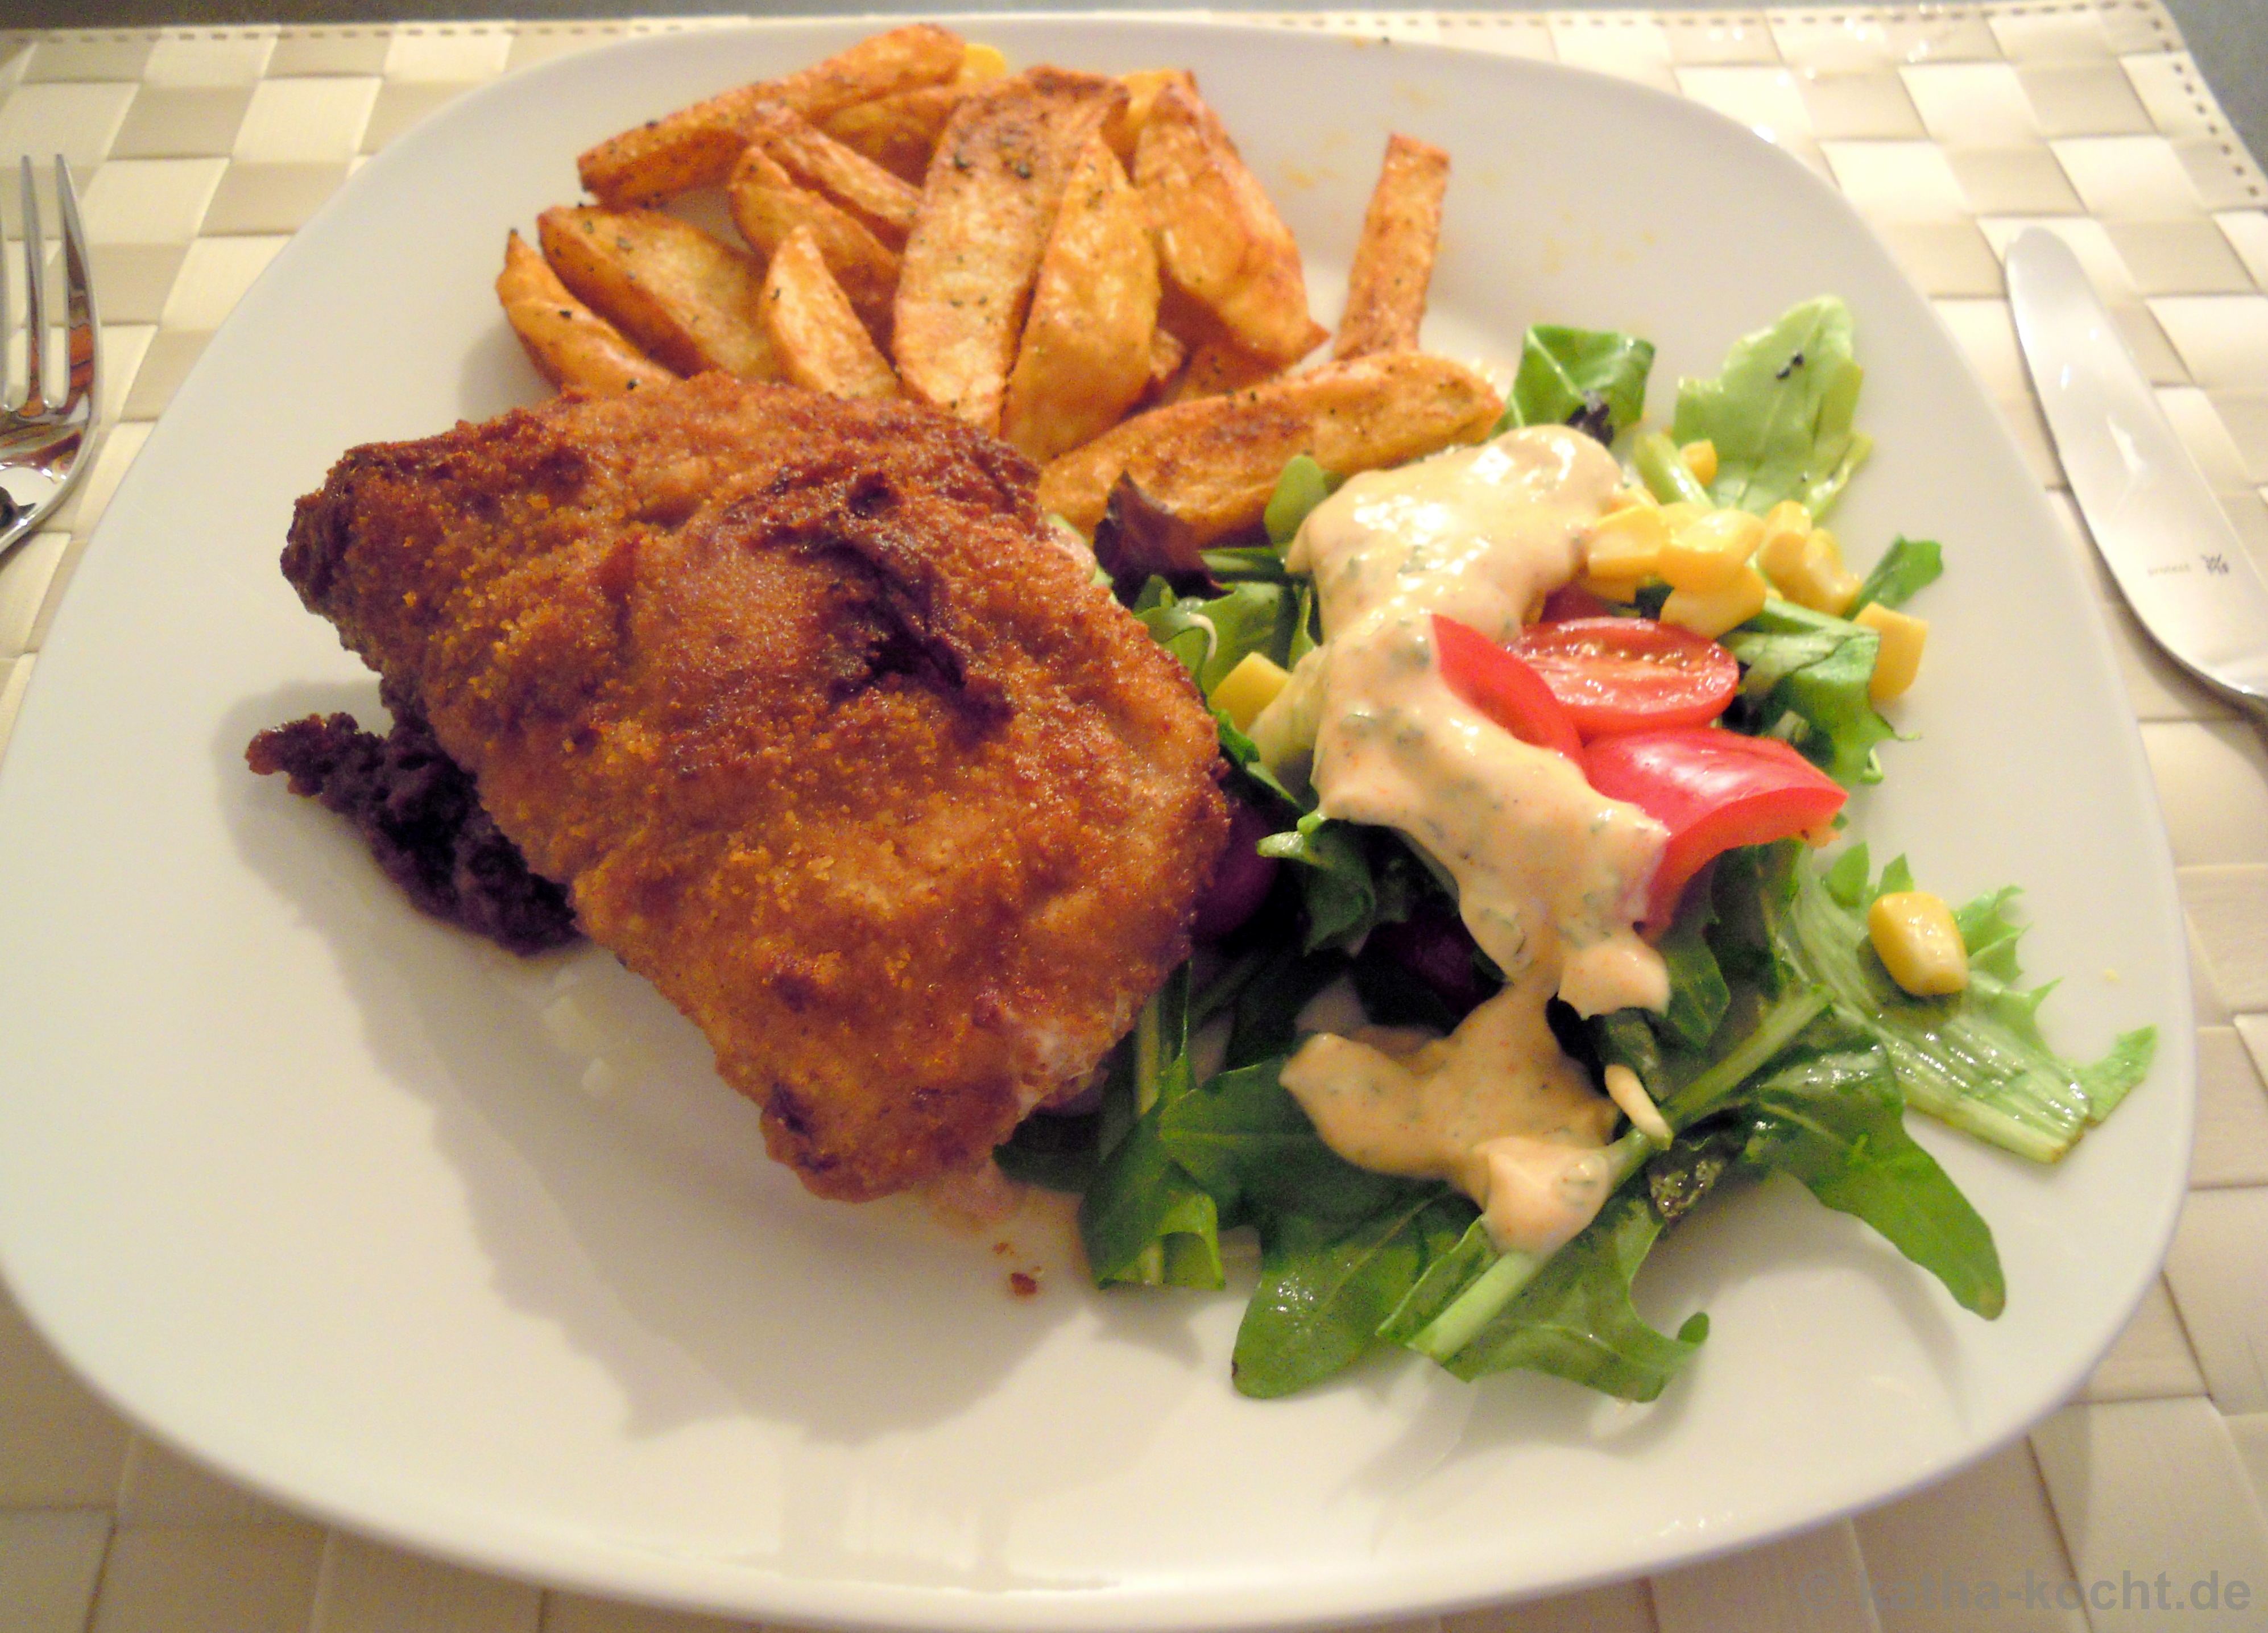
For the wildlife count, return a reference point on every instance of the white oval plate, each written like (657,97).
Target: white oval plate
(480,1257)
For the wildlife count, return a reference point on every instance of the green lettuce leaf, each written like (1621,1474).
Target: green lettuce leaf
(1593,378)
(1976,1060)
(1303,486)
(1804,680)
(1780,412)
(1907,567)
(1212,635)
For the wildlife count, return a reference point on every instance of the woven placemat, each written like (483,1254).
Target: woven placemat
(198,154)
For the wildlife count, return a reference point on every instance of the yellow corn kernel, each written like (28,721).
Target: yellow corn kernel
(1817,578)
(981,61)
(1915,937)
(1710,552)
(1789,516)
(1710,613)
(1679,512)
(1248,688)
(1624,590)
(1899,659)
(1701,459)
(1626,545)
(1781,554)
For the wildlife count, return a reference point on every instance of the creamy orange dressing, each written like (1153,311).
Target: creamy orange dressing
(1551,875)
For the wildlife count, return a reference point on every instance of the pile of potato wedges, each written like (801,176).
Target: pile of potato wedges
(1081,264)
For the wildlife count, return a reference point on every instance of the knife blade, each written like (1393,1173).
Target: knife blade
(2165,537)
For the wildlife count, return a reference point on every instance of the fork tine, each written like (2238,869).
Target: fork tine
(81,356)
(35,306)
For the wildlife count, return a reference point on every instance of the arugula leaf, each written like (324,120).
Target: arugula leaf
(1575,1319)
(1244,1138)
(1804,679)
(1144,1218)
(1780,414)
(1141,1204)
(1976,1060)
(1271,1002)
(1325,1285)
(1835,1121)
(1351,878)
(1593,380)
(1698,996)
(1054,1153)
(1908,566)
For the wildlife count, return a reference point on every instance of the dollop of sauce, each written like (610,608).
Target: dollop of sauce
(1551,875)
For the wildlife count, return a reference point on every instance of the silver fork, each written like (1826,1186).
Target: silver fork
(44,438)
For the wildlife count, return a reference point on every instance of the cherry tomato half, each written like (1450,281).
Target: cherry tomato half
(1712,789)
(1618,675)
(1503,687)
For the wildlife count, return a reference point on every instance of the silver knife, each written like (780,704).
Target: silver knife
(2178,561)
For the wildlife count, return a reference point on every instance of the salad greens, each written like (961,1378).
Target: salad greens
(1785,1048)
(1781,413)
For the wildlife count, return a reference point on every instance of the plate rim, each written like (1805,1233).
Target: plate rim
(675,1582)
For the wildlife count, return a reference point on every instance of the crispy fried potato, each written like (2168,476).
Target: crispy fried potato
(1167,356)
(688,299)
(882,204)
(1211,465)
(1393,259)
(768,205)
(696,147)
(1222,246)
(1142,87)
(1219,366)
(965,279)
(573,346)
(1085,358)
(820,342)
(899,132)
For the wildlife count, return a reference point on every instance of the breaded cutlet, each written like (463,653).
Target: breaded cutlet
(824,733)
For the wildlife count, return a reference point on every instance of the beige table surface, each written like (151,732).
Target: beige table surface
(199,152)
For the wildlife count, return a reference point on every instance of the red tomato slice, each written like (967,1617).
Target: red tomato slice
(1617,674)
(1572,600)
(1503,688)
(1712,789)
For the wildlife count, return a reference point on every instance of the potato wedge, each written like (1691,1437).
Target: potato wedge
(1219,365)
(688,299)
(573,346)
(1212,464)
(820,342)
(1394,258)
(1167,354)
(965,279)
(1221,244)
(768,205)
(1084,358)
(899,132)
(1142,87)
(696,147)
(883,204)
